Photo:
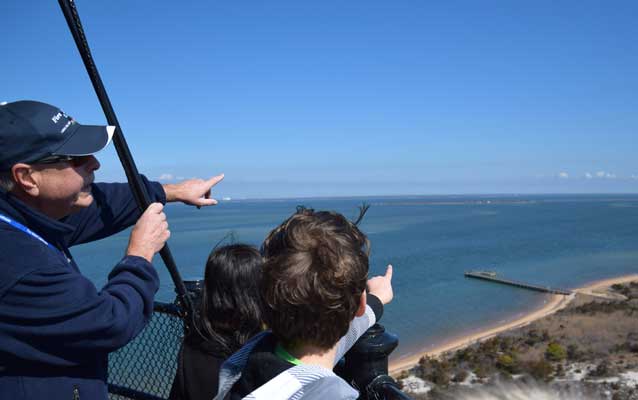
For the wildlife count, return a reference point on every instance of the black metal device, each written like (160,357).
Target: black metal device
(366,365)
(137,186)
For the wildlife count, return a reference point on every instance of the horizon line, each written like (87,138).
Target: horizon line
(396,196)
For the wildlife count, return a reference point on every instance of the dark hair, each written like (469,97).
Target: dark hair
(315,270)
(230,311)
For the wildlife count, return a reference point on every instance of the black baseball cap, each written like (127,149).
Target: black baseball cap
(31,131)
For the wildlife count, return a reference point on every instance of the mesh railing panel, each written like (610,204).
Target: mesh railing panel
(145,368)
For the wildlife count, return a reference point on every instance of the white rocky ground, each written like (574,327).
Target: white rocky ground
(630,379)
(572,387)
(416,385)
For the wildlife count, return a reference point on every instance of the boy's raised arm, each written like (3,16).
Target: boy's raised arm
(379,287)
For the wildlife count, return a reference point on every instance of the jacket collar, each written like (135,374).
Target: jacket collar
(50,229)
(264,375)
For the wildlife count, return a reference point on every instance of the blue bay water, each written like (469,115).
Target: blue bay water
(563,241)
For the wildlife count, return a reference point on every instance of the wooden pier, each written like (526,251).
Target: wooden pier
(491,276)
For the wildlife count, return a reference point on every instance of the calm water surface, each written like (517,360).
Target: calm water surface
(563,241)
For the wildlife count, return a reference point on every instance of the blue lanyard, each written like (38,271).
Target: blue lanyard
(27,231)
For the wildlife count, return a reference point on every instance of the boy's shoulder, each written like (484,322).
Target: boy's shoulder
(256,372)
(308,382)
(259,367)
(250,367)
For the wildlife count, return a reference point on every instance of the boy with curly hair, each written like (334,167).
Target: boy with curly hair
(315,303)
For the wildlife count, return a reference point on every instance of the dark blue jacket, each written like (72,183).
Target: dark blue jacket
(56,328)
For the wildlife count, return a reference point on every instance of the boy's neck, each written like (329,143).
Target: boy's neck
(313,355)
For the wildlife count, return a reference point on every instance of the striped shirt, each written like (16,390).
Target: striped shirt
(308,382)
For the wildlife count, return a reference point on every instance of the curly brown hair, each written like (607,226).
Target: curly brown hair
(315,271)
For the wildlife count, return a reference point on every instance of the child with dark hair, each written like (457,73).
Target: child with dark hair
(229,314)
(314,299)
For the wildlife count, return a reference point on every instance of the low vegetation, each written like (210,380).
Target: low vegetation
(593,338)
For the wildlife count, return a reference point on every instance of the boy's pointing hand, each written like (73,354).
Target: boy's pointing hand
(381,286)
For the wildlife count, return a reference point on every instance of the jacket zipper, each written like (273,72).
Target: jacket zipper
(76,393)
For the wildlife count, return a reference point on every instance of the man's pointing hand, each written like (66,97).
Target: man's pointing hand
(195,192)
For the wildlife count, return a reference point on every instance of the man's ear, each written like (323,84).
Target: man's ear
(22,175)
(362,305)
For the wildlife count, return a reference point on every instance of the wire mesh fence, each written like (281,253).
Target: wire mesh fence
(145,368)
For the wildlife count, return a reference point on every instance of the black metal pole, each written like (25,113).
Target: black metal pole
(137,186)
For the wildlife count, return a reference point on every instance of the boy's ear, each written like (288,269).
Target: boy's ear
(362,305)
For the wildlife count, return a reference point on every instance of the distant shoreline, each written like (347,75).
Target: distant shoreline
(555,303)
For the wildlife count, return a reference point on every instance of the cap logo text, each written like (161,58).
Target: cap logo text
(67,126)
(56,117)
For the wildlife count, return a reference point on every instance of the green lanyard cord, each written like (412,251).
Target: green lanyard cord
(284,355)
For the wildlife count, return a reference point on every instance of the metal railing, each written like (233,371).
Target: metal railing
(145,368)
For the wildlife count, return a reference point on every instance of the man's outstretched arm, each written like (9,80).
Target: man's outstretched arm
(114,208)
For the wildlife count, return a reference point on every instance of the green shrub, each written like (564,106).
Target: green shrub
(617,287)
(460,376)
(439,376)
(507,363)
(555,352)
(480,372)
(541,370)
(464,355)
(533,337)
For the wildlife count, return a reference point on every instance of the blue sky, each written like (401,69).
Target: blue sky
(291,98)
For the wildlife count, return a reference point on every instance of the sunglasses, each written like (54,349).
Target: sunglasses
(76,161)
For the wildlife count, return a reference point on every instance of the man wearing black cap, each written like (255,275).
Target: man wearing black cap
(56,329)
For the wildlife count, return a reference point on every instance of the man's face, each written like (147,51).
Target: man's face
(65,186)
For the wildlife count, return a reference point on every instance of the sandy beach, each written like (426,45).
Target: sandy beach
(555,303)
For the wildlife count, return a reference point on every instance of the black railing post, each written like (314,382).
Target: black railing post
(194,288)
(366,365)
(140,193)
